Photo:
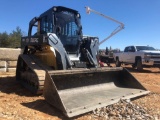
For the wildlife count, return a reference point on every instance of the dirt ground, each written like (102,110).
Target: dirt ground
(17,103)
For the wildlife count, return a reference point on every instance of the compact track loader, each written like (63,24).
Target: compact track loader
(61,63)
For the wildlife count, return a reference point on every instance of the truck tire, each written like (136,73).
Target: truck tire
(118,63)
(139,65)
(134,65)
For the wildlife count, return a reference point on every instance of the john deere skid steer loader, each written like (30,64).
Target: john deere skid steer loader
(63,65)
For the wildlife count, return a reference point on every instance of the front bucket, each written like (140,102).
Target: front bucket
(75,92)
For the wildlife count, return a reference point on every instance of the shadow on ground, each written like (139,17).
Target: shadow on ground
(43,106)
(9,85)
(145,70)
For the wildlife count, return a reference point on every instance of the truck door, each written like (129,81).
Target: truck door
(131,54)
(125,55)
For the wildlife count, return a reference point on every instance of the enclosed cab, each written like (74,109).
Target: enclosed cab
(59,31)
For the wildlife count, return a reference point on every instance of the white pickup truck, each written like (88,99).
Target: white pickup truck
(138,57)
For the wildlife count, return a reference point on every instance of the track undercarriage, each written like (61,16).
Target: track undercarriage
(31,73)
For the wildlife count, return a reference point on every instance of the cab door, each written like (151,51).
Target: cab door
(125,55)
(131,54)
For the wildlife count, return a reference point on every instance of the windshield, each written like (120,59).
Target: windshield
(69,30)
(144,48)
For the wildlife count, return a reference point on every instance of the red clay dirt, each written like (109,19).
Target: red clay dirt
(17,103)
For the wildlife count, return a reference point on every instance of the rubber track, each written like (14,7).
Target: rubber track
(34,77)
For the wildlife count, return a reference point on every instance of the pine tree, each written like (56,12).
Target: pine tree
(11,40)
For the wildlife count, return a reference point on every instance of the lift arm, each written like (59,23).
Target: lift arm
(119,28)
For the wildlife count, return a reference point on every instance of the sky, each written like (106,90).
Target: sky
(140,17)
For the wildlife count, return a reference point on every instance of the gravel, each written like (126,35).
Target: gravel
(123,110)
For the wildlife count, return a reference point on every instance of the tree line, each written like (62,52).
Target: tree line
(11,40)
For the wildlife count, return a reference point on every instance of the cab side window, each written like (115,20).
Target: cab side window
(46,25)
(126,49)
(132,49)
(129,49)
(34,29)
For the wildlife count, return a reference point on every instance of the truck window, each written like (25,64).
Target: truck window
(132,49)
(144,48)
(126,49)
